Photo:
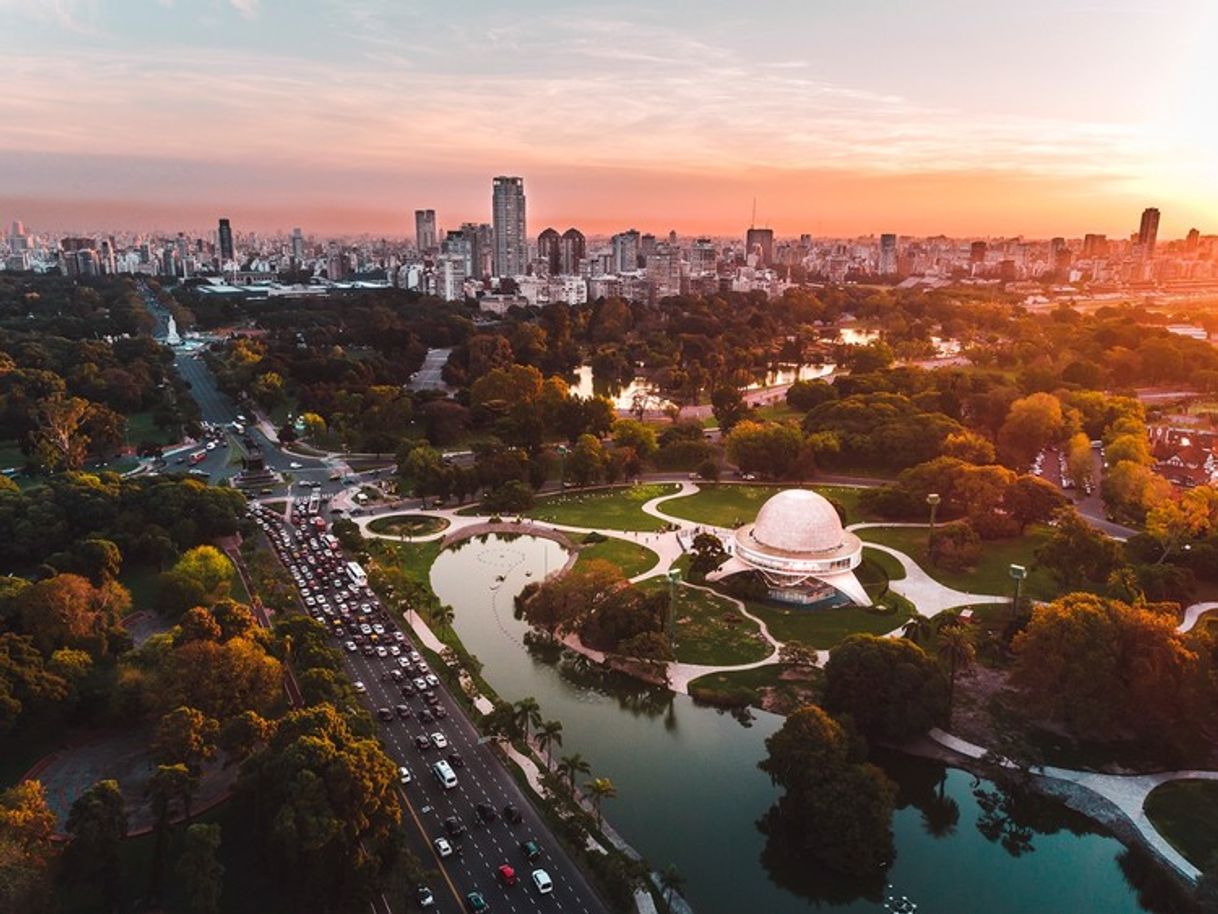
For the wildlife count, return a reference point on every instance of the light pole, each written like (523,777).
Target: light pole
(1017,573)
(674,578)
(933,500)
(562,467)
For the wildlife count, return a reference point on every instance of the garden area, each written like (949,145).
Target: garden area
(823,627)
(1186,814)
(631,558)
(991,574)
(408,525)
(731,505)
(710,628)
(777,687)
(604,509)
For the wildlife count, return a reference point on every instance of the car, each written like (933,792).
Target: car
(431,680)
(378,628)
(359,687)
(351,646)
(423,897)
(454,759)
(395,651)
(395,675)
(512,814)
(294,465)
(381,652)
(403,711)
(485,813)
(543,882)
(407,690)
(453,827)
(439,740)
(421,684)
(443,848)
(369,650)
(384,714)
(507,876)
(531,849)
(476,903)
(439,712)
(422,742)
(425,716)
(404,776)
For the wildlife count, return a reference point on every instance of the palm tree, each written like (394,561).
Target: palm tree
(549,734)
(527,714)
(443,616)
(671,881)
(918,630)
(600,789)
(956,651)
(570,766)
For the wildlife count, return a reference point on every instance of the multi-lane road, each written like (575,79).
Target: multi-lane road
(387,684)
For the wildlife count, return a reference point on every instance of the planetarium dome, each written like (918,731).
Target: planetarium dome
(798,520)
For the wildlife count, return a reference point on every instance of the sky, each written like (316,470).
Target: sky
(838,117)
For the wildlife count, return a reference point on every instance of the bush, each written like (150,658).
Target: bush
(956,546)
(511,497)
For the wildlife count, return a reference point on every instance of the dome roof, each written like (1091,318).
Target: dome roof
(798,520)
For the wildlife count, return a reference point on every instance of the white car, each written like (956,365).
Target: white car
(404,776)
(431,680)
(541,879)
(295,466)
(380,651)
(351,646)
(395,650)
(439,740)
(443,848)
(378,628)
(420,684)
(359,687)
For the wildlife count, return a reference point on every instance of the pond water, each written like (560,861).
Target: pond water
(624,396)
(690,793)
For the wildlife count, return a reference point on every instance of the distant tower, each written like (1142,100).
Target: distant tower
(425,229)
(508,217)
(226,242)
(888,254)
(762,238)
(573,247)
(298,246)
(1148,230)
(549,249)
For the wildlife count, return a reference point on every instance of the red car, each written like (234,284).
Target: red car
(507,876)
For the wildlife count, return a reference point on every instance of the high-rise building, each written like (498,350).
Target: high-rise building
(298,246)
(481,248)
(626,251)
(647,246)
(459,244)
(760,241)
(572,249)
(549,250)
(1192,240)
(888,254)
(702,257)
(226,242)
(977,251)
(425,230)
(664,271)
(1095,245)
(511,238)
(183,256)
(1148,230)
(450,276)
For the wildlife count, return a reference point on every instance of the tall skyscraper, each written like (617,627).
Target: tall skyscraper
(664,271)
(977,251)
(1095,245)
(297,246)
(626,251)
(702,257)
(1148,230)
(450,276)
(459,244)
(572,249)
(760,240)
(888,254)
(226,242)
(549,249)
(511,230)
(481,248)
(425,229)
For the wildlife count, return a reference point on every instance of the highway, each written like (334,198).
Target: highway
(481,776)
(428,377)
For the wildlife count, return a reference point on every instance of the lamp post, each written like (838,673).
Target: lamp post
(933,500)
(1017,573)
(562,467)
(674,578)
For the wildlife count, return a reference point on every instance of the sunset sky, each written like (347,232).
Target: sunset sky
(839,116)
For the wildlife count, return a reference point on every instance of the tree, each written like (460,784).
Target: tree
(671,882)
(708,554)
(571,767)
(185,735)
(169,783)
(806,395)
(549,734)
(560,605)
(728,407)
(599,790)
(201,873)
(1080,459)
(27,849)
(442,616)
(97,824)
(1032,500)
(586,461)
(24,679)
(630,433)
(970,447)
(955,546)
(1077,554)
(835,807)
(199,578)
(770,448)
(1032,423)
(59,438)
(67,611)
(956,652)
(890,687)
(527,714)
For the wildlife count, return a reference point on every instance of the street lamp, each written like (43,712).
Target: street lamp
(674,578)
(1017,573)
(562,466)
(933,500)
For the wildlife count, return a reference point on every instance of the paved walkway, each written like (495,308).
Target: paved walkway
(1193,614)
(1127,792)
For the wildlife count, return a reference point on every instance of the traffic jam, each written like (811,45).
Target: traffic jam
(405,694)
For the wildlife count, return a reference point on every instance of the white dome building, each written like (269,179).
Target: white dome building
(798,545)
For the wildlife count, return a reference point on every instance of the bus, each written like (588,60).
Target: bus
(356,574)
(197,457)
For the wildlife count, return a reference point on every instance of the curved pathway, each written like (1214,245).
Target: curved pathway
(1127,792)
(1193,614)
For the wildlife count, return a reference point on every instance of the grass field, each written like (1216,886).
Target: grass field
(140,427)
(630,557)
(141,580)
(609,509)
(408,525)
(730,505)
(1186,814)
(710,629)
(888,563)
(991,575)
(747,686)
(822,628)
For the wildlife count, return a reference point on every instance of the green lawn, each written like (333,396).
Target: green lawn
(788,687)
(888,563)
(778,412)
(991,575)
(408,525)
(1186,814)
(610,509)
(630,557)
(710,628)
(140,427)
(730,505)
(822,628)
(415,559)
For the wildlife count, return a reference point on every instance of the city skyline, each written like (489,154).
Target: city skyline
(838,121)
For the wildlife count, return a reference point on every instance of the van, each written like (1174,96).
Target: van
(444,774)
